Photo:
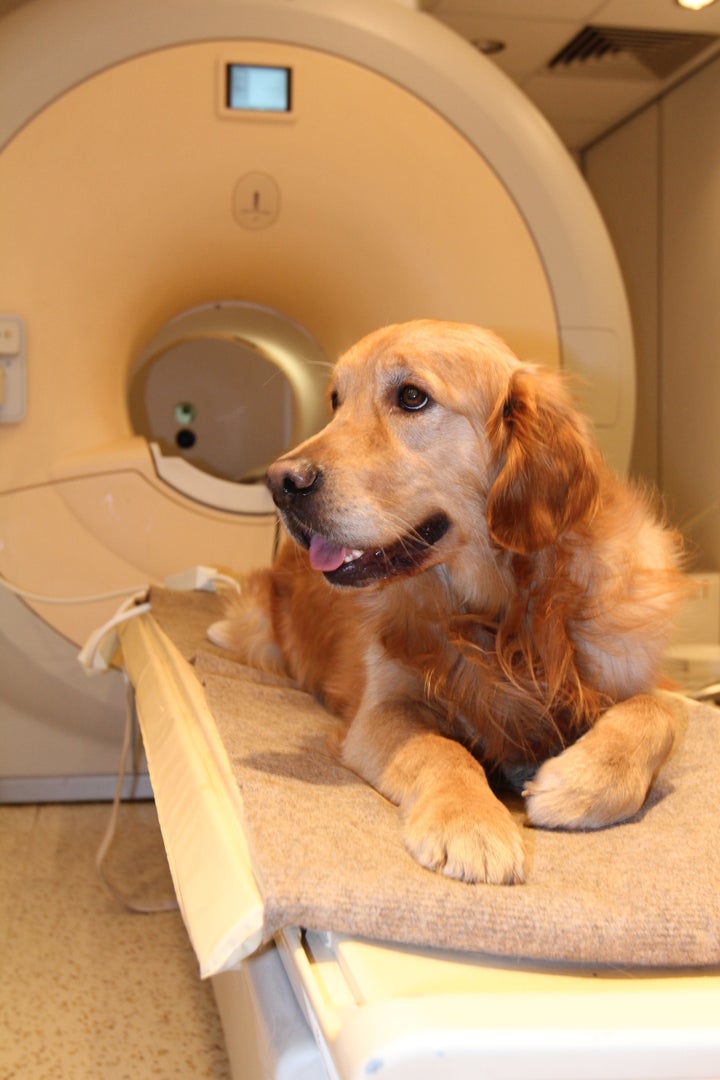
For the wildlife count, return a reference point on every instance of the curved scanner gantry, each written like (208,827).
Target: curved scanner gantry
(169,247)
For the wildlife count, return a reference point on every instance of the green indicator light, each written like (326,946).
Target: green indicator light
(185,412)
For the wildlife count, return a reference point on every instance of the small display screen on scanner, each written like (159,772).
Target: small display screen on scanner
(258,88)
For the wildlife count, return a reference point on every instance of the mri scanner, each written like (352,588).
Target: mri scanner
(203,203)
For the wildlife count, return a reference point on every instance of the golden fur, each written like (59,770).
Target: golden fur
(505,605)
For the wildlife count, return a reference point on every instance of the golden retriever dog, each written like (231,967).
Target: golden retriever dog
(473,592)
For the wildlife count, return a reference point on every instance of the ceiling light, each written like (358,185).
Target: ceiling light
(694,5)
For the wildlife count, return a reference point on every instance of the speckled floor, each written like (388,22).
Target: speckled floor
(88,990)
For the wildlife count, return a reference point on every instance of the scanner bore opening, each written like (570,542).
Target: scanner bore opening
(218,402)
(227,388)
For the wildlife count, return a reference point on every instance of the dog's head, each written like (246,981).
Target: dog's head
(440,446)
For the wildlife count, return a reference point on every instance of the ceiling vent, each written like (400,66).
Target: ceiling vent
(625,53)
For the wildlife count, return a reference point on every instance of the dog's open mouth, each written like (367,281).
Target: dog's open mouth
(357,567)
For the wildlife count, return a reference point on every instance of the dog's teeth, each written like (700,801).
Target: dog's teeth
(352,555)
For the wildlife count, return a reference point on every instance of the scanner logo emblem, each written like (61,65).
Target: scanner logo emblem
(256,201)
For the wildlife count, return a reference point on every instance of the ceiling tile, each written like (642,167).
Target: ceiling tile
(529,44)
(579,105)
(584,107)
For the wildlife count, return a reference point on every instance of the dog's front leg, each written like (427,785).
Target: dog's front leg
(605,776)
(452,822)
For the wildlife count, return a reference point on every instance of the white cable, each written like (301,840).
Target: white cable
(26,594)
(132,905)
(97,653)
(711,691)
(96,656)
(226,579)
(203,578)
(199,577)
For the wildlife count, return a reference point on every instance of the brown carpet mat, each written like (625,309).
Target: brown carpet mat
(328,852)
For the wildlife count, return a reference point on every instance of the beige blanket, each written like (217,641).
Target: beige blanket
(328,852)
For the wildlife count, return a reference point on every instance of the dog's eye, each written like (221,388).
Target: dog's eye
(334,400)
(412,398)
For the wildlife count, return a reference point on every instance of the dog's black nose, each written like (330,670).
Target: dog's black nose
(290,479)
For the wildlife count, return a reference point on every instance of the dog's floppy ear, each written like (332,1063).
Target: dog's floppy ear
(549,472)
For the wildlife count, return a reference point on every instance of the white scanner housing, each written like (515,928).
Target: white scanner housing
(174,237)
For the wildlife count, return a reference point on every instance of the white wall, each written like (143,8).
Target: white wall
(657,180)
(622,170)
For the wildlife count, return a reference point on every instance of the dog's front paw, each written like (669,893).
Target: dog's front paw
(580,789)
(469,839)
(604,778)
(563,795)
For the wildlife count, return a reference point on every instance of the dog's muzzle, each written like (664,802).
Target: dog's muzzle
(357,565)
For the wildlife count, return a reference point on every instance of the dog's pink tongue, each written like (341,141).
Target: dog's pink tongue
(325,555)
